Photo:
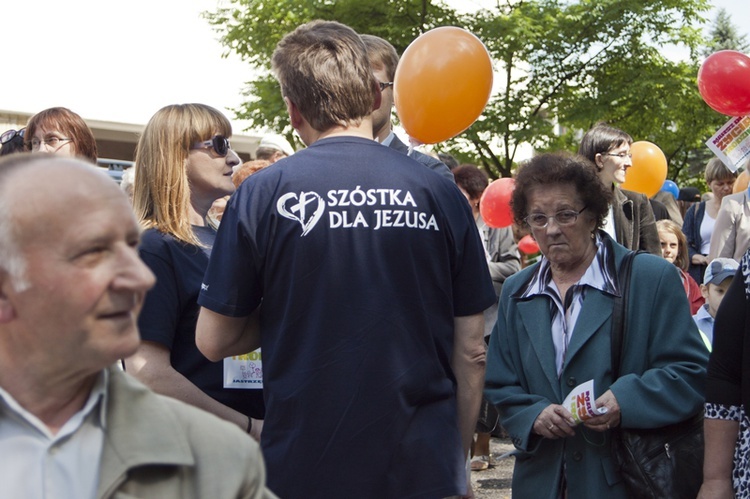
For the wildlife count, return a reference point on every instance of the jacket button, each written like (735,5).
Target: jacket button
(577,456)
(572,382)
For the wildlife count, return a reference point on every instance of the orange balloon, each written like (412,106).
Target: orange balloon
(442,83)
(649,169)
(741,183)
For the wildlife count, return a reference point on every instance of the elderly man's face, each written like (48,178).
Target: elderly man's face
(86,281)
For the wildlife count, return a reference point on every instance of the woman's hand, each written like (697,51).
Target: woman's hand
(699,259)
(555,421)
(608,420)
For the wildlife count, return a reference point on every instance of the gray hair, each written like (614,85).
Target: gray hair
(12,260)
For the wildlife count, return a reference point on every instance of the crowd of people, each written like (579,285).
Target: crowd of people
(328,322)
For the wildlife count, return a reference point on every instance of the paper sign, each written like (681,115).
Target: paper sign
(731,143)
(244,371)
(580,402)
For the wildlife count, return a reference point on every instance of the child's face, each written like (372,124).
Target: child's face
(714,293)
(669,246)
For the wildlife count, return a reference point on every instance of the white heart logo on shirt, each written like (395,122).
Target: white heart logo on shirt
(298,209)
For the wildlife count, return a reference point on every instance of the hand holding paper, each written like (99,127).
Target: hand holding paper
(581,404)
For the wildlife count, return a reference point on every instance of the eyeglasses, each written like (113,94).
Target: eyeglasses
(50,141)
(11,134)
(620,155)
(384,85)
(562,218)
(219,143)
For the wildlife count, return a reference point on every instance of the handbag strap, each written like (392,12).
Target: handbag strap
(619,315)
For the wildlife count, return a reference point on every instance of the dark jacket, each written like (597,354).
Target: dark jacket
(635,225)
(691,227)
(433,164)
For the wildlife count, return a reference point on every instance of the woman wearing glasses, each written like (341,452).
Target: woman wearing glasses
(553,334)
(630,220)
(58,130)
(184,163)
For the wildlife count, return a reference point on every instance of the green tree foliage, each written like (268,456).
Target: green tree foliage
(560,66)
(724,36)
(252,28)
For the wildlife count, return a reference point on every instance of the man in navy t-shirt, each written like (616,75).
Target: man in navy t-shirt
(373,281)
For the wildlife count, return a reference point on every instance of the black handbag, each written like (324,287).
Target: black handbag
(654,463)
(489,418)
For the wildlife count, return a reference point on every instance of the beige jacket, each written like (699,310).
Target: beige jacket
(731,235)
(157,447)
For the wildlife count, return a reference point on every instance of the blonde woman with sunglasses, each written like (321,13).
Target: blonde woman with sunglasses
(184,163)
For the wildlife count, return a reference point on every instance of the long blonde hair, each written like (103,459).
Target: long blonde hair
(161,195)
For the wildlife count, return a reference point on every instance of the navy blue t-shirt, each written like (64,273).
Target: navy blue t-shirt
(362,257)
(170,313)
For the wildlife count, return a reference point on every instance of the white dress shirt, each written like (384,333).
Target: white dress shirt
(39,465)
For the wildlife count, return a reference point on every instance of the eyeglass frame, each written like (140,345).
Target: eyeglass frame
(9,135)
(385,84)
(621,155)
(575,214)
(213,143)
(46,141)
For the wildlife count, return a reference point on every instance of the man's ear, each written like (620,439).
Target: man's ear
(7,310)
(295,117)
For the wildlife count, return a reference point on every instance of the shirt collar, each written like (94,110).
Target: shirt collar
(599,275)
(98,396)
(702,313)
(387,141)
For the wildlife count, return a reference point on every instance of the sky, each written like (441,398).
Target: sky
(122,61)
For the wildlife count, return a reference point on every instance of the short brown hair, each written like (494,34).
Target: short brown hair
(69,124)
(471,179)
(602,138)
(561,169)
(323,69)
(382,55)
(717,170)
(247,169)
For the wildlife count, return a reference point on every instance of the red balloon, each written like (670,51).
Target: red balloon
(724,82)
(495,203)
(528,245)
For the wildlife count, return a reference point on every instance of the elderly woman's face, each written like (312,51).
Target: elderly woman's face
(613,164)
(566,245)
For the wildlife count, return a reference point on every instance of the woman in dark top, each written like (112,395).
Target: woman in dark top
(184,163)
(698,224)
(726,469)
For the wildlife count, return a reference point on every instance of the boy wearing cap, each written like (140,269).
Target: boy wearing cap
(716,281)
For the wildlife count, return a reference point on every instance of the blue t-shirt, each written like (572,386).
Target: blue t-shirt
(362,257)
(170,312)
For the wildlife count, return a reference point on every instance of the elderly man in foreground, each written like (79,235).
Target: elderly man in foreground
(71,286)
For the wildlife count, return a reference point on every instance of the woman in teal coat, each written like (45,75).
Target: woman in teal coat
(553,333)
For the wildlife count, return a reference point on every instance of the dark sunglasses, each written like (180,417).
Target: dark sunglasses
(11,134)
(219,143)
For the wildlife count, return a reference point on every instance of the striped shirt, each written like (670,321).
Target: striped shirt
(601,274)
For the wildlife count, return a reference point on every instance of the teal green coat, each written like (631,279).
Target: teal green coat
(662,381)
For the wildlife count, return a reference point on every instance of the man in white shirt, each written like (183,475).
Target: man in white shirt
(71,286)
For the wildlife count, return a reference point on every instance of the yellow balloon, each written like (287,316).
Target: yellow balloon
(649,169)
(442,83)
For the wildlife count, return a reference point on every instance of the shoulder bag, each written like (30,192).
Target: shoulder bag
(654,463)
